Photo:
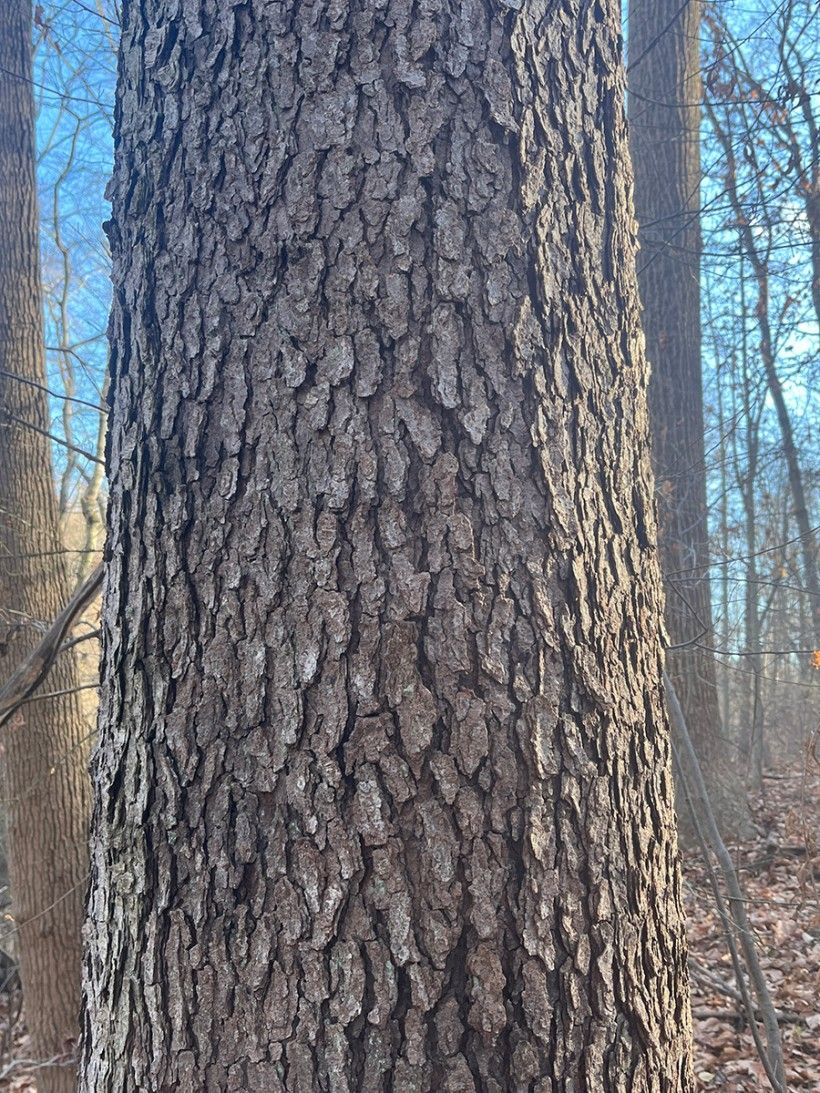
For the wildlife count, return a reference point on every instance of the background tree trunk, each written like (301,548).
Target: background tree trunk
(43,758)
(383,792)
(664,116)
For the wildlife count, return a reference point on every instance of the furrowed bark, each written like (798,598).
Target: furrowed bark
(383,793)
(43,759)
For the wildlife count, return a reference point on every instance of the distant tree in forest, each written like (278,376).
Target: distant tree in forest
(761,200)
(664,116)
(74,63)
(46,794)
(383,794)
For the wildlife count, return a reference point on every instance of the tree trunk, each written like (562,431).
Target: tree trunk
(43,757)
(802,517)
(664,116)
(747,465)
(383,788)
(725,629)
(759,262)
(752,721)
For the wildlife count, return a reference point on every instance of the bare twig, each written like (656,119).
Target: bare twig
(704,1013)
(53,394)
(34,669)
(90,636)
(51,436)
(771,1056)
(714,982)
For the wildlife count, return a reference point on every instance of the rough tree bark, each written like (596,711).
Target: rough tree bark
(43,758)
(383,792)
(664,116)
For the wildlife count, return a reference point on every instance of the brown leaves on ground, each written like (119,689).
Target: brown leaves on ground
(779,872)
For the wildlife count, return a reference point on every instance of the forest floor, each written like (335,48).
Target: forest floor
(779,871)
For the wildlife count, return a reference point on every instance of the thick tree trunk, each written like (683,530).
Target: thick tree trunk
(43,758)
(383,791)
(664,115)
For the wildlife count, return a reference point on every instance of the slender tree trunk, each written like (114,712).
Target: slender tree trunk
(92,503)
(43,758)
(664,112)
(747,427)
(807,171)
(725,629)
(802,516)
(753,704)
(383,790)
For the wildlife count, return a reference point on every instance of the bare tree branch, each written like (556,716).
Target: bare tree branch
(51,436)
(35,668)
(771,1055)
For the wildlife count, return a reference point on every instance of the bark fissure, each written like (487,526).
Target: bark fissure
(392,671)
